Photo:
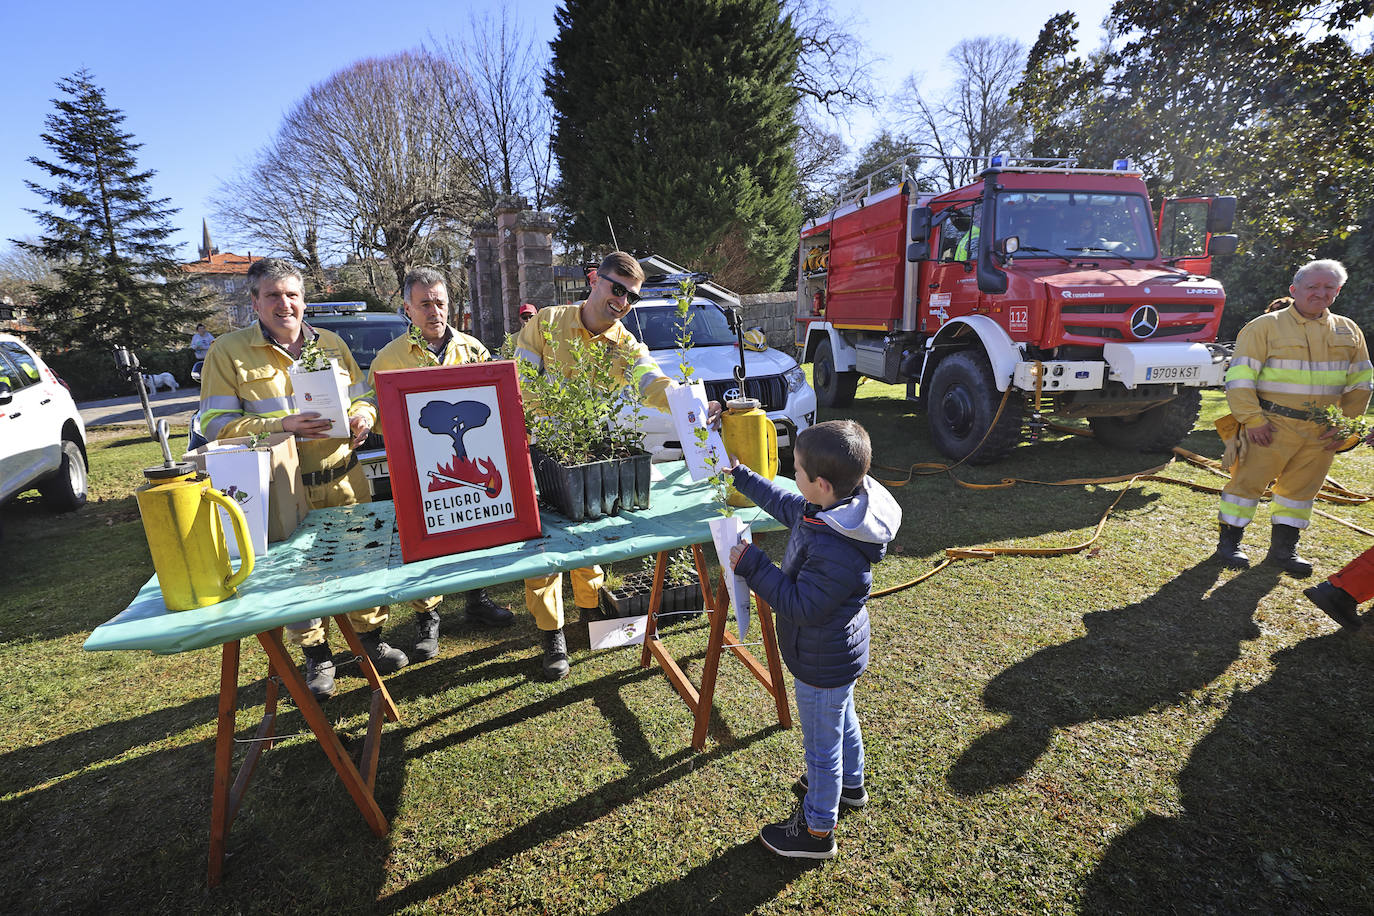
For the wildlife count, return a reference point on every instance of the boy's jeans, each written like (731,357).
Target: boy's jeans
(834,749)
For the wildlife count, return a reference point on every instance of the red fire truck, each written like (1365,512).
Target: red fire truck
(1039,286)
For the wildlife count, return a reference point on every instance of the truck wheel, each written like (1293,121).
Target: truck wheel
(1158,429)
(833,389)
(963,400)
(65,491)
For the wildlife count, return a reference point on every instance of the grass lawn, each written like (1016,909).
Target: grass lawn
(1126,729)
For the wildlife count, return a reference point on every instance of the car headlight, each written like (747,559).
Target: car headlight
(795,378)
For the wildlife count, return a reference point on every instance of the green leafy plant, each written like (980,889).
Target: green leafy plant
(1331,417)
(719,479)
(682,568)
(573,405)
(313,357)
(683,302)
(427,357)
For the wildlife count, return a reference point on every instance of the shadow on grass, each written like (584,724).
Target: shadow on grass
(1133,659)
(739,880)
(648,773)
(1274,820)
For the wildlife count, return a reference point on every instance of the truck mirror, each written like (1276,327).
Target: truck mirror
(1222,245)
(6,395)
(1221,214)
(918,251)
(920,226)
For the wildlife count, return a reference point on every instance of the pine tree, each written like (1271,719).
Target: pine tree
(674,121)
(119,281)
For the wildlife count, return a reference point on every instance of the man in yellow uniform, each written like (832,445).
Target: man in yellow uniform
(1286,364)
(426,305)
(615,289)
(246,389)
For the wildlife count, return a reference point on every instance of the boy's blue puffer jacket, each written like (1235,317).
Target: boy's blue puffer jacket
(820,594)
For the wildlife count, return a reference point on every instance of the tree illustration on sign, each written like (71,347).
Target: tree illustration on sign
(444,418)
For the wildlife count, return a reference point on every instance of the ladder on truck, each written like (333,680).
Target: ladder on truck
(905,169)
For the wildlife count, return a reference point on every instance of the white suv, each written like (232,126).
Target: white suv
(42,438)
(771,376)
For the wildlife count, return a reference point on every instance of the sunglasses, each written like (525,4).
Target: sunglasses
(619,289)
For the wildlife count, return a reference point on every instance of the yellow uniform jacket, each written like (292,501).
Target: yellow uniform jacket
(405,353)
(1300,363)
(632,363)
(245,389)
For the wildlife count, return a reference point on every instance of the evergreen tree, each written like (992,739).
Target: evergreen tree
(674,121)
(118,281)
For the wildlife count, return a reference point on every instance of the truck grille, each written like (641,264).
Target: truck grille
(769,390)
(1119,308)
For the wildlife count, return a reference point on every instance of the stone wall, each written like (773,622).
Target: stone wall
(512,263)
(775,313)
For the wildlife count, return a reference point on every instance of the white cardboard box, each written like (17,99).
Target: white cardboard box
(245,476)
(325,392)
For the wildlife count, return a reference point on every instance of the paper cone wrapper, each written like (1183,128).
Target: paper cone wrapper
(726,532)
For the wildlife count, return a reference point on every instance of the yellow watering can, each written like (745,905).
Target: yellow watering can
(751,437)
(181,522)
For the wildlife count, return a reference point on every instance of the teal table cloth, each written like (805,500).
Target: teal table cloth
(349,558)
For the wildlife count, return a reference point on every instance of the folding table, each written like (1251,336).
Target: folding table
(348,558)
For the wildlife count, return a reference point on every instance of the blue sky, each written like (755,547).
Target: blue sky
(203,86)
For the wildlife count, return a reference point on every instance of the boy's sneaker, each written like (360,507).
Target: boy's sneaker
(850,798)
(791,839)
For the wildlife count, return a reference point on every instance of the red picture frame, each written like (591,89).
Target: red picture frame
(459,460)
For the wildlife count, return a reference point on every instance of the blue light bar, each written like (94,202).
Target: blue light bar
(1121,165)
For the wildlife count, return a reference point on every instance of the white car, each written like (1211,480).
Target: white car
(771,376)
(42,438)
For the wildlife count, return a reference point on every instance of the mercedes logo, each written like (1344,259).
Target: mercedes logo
(1144,321)
(733,394)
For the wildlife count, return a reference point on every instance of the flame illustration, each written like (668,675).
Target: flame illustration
(481,474)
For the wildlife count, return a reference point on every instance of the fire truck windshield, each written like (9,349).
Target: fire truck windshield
(1067,223)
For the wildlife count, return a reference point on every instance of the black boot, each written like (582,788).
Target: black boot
(386,659)
(487,612)
(1338,604)
(319,670)
(1283,551)
(555,655)
(1228,547)
(426,636)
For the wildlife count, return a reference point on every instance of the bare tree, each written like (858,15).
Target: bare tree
(834,69)
(496,104)
(821,164)
(367,165)
(975,116)
(274,207)
(21,269)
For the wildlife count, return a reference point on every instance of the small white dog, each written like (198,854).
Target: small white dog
(160,380)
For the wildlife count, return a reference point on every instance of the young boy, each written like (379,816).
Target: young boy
(841,524)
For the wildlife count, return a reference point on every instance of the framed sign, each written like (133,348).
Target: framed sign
(460,468)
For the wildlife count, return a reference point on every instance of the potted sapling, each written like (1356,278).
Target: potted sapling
(586,464)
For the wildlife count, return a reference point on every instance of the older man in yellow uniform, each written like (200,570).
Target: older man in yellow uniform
(1286,364)
(614,291)
(246,389)
(433,343)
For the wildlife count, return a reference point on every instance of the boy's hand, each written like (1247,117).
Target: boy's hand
(736,552)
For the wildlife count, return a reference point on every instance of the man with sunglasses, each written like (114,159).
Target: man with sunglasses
(613,293)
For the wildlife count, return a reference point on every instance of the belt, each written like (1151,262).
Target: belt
(329,475)
(1271,407)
